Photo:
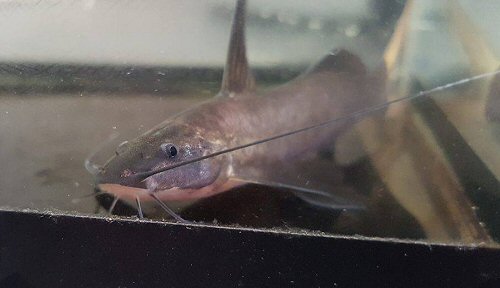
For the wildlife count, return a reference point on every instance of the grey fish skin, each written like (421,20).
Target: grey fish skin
(225,122)
(311,99)
(337,86)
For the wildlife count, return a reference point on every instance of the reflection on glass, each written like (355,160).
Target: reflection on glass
(361,143)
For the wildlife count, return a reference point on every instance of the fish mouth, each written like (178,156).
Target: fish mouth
(125,187)
(132,193)
(127,178)
(124,192)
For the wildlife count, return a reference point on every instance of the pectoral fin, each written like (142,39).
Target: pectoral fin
(312,196)
(319,184)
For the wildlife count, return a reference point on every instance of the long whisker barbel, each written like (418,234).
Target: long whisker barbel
(139,208)
(354,115)
(168,209)
(113,204)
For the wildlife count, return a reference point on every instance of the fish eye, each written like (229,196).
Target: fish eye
(169,149)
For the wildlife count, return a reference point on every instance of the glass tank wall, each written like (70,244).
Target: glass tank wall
(397,135)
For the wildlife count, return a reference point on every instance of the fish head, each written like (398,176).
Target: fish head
(141,166)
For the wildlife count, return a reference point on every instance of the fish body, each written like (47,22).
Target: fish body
(228,122)
(173,160)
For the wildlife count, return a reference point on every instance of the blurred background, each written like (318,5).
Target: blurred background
(194,33)
(56,42)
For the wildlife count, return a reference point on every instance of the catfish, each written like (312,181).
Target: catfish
(242,136)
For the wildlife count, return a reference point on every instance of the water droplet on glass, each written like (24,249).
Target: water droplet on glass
(315,24)
(352,31)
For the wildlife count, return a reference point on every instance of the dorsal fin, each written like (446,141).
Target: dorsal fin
(339,60)
(237,78)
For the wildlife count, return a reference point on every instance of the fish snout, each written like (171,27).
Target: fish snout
(124,178)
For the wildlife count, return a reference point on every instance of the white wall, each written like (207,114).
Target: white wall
(187,32)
